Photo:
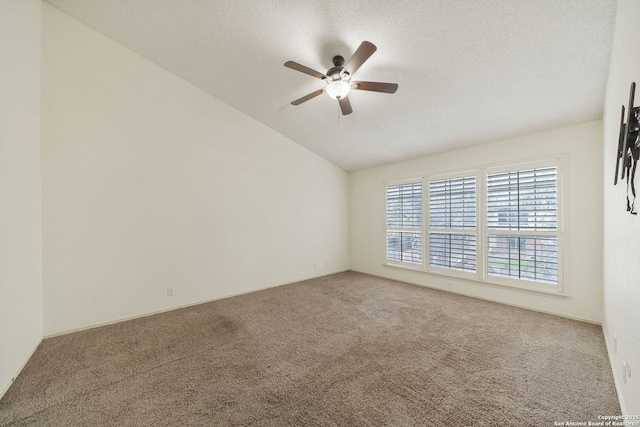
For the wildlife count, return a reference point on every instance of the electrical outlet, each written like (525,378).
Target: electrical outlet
(169,292)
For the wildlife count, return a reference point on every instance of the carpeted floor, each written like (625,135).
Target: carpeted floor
(343,350)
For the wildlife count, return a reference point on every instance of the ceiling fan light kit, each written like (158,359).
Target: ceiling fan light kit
(338,78)
(338,89)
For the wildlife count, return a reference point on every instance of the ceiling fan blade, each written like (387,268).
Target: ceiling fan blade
(307,97)
(303,69)
(375,86)
(345,105)
(364,51)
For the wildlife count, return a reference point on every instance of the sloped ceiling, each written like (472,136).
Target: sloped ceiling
(469,71)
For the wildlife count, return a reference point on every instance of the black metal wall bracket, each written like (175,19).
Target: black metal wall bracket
(628,149)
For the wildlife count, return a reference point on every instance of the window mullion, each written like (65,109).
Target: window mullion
(541,233)
(426,219)
(471,231)
(481,219)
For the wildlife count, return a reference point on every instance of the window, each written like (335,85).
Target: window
(404,223)
(497,225)
(522,224)
(452,223)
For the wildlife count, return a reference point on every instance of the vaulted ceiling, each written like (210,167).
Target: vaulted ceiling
(469,71)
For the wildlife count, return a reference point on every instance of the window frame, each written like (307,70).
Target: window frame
(420,230)
(428,230)
(559,287)
(482,231)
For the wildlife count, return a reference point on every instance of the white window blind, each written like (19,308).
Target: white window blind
(452,223)
(522,224)
(404,223)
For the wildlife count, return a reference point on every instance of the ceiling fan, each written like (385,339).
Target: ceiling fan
(338,78)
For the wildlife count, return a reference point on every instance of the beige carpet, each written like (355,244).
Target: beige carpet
(343,350)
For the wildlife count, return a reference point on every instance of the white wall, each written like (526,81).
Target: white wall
(149,183)
(621,230)
(583,225)
(20,222)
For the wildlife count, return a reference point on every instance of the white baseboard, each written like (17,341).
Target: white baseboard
(616,379)
(416,283)
(178,307)
(7,385)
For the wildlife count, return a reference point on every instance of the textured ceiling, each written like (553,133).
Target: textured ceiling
(469,71)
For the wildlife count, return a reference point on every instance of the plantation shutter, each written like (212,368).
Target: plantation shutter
(522,223)
(522,200)
(452,223)
(404,223)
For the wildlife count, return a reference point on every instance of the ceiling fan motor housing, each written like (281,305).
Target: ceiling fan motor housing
(334,73)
